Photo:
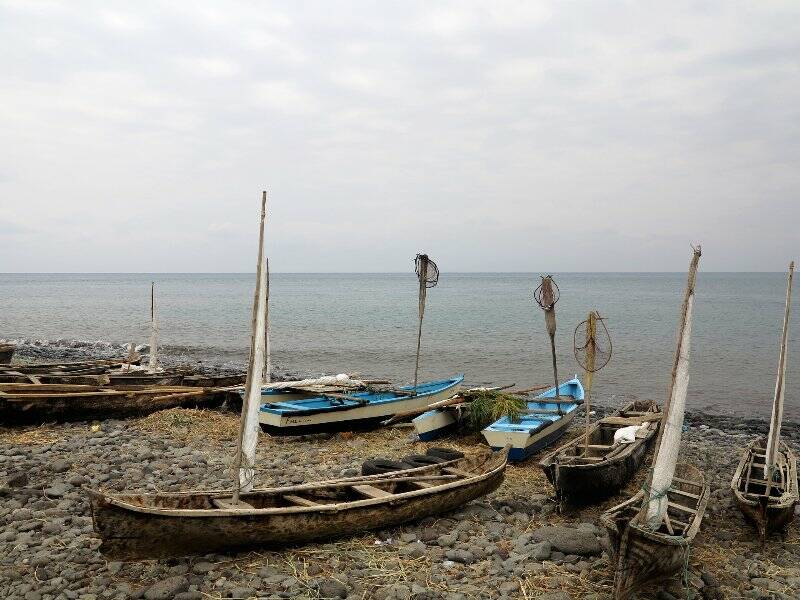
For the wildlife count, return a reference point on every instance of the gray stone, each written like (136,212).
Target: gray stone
(331,588)
(415,550)
(56,490)
(61,466)
(541,551)
(243,592)
(398,591)
(167,588)
(204,567)
(569,540)
(447,540)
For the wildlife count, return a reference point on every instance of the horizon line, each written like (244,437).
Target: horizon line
(368,272)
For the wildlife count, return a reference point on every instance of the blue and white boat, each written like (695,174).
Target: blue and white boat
(541,424)
(437,422)
(282,415)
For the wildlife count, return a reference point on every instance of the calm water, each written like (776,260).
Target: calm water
(485,325)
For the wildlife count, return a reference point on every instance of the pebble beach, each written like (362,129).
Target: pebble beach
(515,543)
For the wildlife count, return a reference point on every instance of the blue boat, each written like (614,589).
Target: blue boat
(282,415)
(541,424)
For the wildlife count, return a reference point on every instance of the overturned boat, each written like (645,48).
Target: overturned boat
(765,482)
(544,420)
(595,465)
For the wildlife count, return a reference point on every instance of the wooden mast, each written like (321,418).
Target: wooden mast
(669,437)
(589,377)
(547,301)
(774,437)
(248,424)
(268,362)
(153,330)
(423,292)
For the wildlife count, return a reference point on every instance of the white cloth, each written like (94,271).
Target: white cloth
(627,435)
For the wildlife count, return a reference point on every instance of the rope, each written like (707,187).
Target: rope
(658,495)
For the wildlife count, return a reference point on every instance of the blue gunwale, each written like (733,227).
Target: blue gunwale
(318,404)
(532,422)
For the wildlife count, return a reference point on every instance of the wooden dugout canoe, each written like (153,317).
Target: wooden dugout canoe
(174,524)
(641,556)
(773,512)
(22,404)
(604,468)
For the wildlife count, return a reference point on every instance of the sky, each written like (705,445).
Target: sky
(495,136)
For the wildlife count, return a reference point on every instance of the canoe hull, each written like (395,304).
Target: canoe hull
(131,534)
(64,409)
(589,482)
(435,424)
(768,514)
(348,418)
(640,556)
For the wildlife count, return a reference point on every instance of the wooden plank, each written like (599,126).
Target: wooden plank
(682,493)
(458,472)
(299,500)
(229,504)
(687,482)
(372,491)
(422,485)
(681,507)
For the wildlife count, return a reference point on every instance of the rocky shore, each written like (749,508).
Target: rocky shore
(515,543)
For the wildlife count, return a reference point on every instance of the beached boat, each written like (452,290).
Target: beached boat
(650,534)
(6,353)
(542,422)
(336,411)
(173,524)
(83,367)
(588,471)
(765,482)
(769,505)
(26,403)
(438,422)
(642,555)
(145,378)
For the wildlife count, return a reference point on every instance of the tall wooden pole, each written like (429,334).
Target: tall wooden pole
(268,363)
(423,292)
(590,364)
(548,304)
(248,424)
(774,437)
(669,436)
(153,330)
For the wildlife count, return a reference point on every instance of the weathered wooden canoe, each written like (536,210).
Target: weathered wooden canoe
(641,556)
(6,353)
(84,367)
(22,403)
(214,380)
(144,378)
(584,473)
(172,524)
(773,512)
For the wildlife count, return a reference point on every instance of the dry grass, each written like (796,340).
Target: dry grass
(28,436)
(191,424)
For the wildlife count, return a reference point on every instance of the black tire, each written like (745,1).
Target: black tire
(423,460)
(378,466)
(445,453)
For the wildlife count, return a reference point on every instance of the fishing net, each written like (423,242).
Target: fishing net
(427,271)
(592,343)
(547,294)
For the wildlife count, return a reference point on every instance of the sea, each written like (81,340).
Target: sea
(485,325)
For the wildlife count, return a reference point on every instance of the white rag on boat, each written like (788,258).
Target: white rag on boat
(329,380)
(627,435)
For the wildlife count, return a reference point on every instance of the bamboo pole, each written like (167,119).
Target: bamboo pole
(774,437)
(248,424)
(153,365)
(548,303)
(669,436)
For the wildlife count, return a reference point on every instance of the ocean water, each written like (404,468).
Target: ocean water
(485,325)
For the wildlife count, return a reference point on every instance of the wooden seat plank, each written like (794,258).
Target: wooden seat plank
(228,504)
(299,500)
(372,491)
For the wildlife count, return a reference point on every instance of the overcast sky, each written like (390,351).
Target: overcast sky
(496,136)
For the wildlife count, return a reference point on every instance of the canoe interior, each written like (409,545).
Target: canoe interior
(601,436)
(134,526)
(642,556)
(769,511)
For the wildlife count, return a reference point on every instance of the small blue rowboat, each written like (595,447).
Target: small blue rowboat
(437,422)
(541,424)
(349,411)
